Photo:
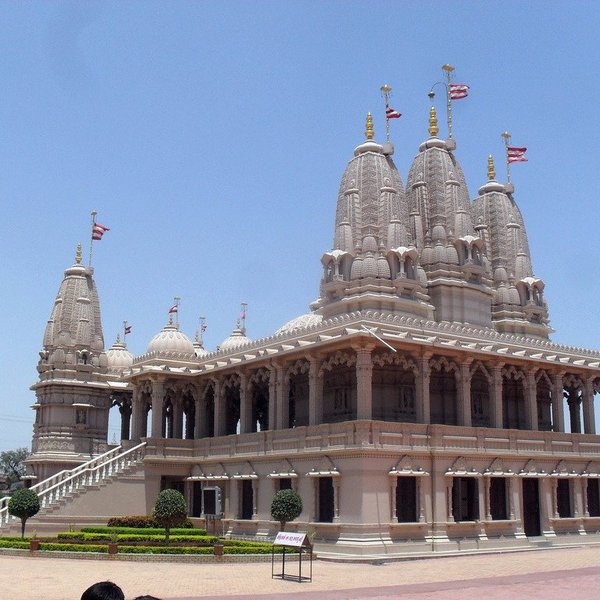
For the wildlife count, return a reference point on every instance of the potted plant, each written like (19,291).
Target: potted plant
(113,548)
(34,543)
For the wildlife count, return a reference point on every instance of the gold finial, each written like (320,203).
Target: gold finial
(433,122)
(448,68)
(491,169)
(78,254)
(369,129)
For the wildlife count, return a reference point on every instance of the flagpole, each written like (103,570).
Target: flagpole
(448,69)
(177,300)
(243,319)
(506,137)
(386,90)
(202,321)
(94,213)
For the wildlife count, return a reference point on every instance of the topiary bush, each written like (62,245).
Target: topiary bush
(24,503)
(286,506)
(170,509)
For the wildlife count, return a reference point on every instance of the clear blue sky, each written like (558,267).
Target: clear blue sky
(211,138)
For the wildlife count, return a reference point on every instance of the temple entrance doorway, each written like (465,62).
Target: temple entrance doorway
(531,507)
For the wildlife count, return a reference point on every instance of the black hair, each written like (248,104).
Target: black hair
(103,590)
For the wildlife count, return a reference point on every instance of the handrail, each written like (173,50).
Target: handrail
(81,476)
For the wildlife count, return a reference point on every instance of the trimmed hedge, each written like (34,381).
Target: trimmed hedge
(207,540)
(144,521)
(144,530)
(13,543)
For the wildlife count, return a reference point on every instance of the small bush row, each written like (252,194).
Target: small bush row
(143,521)
(143,530)
(258,548)
(128,537)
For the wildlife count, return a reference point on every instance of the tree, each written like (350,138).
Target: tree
(12,464)
(170,509)
(286,506)
(24,503)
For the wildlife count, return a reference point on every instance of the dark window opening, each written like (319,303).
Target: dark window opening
(465,499)
(326,510)
(593,497)
(285,483)
(247,499)
(406,499)
(498,503)
(563,498)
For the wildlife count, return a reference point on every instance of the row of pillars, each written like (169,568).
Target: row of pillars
(278,389)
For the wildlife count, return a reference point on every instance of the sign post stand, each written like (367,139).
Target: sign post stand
(302,547)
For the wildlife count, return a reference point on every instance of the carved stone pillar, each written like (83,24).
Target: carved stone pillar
(245,405)
(393,511)
(200,428)
(464,407)
(558,417)
(531,400)
(254,497)
(136,421)
(364,383)
(272,397)
(178,415)
(336,499)
(315,392)
(158,392)
(422,390)
(589,420)
(487,504)
(449,481)
(496,395)
(283,398)
(219,426)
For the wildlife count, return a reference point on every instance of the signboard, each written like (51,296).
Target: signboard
(297,540)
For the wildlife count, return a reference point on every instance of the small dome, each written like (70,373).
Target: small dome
(118,357)
(237,338)
(199,350)
(299,323)
(170,339)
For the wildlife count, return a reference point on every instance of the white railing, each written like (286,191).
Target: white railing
(94,471)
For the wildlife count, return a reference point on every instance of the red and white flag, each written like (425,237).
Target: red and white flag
(98,231)
(458,91)
(173,309)
(515,154)
(390,113)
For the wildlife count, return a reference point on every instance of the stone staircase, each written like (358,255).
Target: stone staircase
(66,485)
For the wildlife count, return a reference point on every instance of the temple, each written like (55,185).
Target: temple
(418,407)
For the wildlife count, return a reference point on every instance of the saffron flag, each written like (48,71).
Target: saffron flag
(458,91)
(514,154)
(98,231)
(390,113)
(173,309)
(127,329)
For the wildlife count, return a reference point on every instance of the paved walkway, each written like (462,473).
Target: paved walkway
(551,574)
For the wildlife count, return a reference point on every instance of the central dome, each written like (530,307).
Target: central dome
(170,339)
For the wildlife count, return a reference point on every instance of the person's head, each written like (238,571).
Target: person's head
(146,598)
(103,590)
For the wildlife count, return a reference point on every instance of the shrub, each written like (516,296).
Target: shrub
(170,509)
(286,506)
(143,530)
(143,521)
(24,503)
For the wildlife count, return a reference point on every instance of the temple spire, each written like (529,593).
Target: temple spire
(491,169)
(433,122)
(369,133)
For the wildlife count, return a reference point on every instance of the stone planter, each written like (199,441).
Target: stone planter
(112,548)
(34,545)
(218,550)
